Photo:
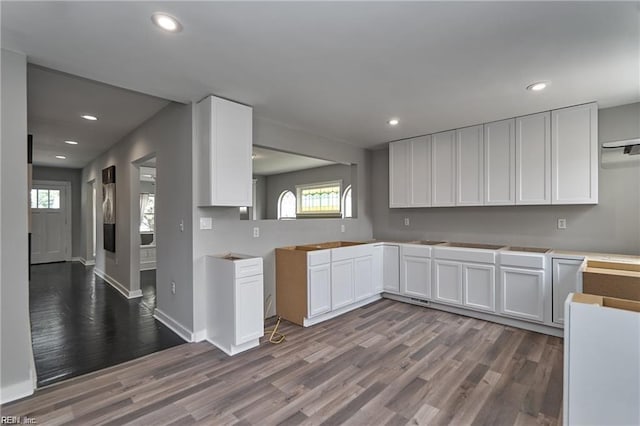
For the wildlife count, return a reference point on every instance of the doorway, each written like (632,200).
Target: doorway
(50,221)
(147,231)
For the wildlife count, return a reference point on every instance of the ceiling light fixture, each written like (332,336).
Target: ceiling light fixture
(393,122)
(538,86)
(61,157)
(71,142)
(166,22)
(89,117)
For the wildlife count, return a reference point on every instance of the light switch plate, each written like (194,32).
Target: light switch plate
(206,223)
(406,221)
(256,232)
(562,223)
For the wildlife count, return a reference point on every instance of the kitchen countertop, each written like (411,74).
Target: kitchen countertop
(600,257)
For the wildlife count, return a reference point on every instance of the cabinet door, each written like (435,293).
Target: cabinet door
(416,276)
(523,293)
(443,169)
(378,268)
(399,174)
(391,268)
(249,305)
(574,142)
(319,289)
(420,172)
(447,277)
(470,166)
(480,286)
(567,278)
(363,277)
(533,159)
(500,163)
(341,283)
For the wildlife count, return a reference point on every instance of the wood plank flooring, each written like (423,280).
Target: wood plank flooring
(79,323)
(385,364)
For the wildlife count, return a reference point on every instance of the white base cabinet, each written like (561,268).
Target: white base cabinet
(447,277)
(319,289)
(415,271)
(522,293)
(479,282)
(566,278)
(235,312)
(390,266)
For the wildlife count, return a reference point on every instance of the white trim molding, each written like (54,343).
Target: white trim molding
(174,325)
(117,285)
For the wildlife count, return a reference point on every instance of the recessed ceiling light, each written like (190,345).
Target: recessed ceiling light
(89,117)
(393,122)
(538,86)
(71,142)
(61,157)
(166,22)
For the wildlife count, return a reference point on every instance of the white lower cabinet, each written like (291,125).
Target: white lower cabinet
(447,281)
(391,268)
(341,283)
(479,286)
(249,315)
(363,277)
(522,293)
(415,271)
(566,278)
(319,289)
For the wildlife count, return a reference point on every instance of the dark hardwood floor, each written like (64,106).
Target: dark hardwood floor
(385,364)
(79,323)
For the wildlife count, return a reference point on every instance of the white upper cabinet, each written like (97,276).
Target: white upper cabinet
(409,173)
(225,133)
(574,141)
(443,169)
(470,166)
(500,163)
(533,159)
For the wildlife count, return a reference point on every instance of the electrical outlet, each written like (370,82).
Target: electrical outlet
(343,228)
(562,223)
(181,225)
(173,287)
(256,232)
(206,223)
(406,221)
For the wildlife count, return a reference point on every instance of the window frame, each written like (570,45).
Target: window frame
(279,206)
(343,202)
(319,213)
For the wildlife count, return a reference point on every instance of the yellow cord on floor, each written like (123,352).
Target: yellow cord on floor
(275,337)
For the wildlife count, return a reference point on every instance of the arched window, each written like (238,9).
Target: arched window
(287,205)
(346,203)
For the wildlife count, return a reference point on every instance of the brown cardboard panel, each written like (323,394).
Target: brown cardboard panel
(613,265)
(589,299)
(291,284)
(612,283)
(607,302)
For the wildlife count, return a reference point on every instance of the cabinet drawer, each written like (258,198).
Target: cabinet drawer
(248,267)
(318,257)
(343,253)
(416,250)
(535,261)
(465,255)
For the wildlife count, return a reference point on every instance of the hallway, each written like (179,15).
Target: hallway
(79,323)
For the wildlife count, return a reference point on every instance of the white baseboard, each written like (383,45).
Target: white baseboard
(16,391)
(117,285)
(174,325)
(84,261)
(89,262)
(200,336)
(148,266)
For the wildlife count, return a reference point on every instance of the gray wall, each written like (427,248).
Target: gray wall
(611,226)
(167,136)
(74,176)
(231,234)
(280,182)
(17,373)
(147,187)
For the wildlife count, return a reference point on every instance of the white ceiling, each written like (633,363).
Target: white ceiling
(55,103)
(271,162)
(341,69)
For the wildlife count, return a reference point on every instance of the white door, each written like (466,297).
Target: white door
(398,174)
(523,293)
(500,163)
(533,159)
(574,141)
(470,166)
(341,283)
(50,222)
(249,314)
(567,278)
(420,172)
(480,287)
(416,276)
(443,169)
(447,278)
(363,277)
(391,268)
(319,287)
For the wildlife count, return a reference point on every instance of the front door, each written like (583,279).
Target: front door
(50,222)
